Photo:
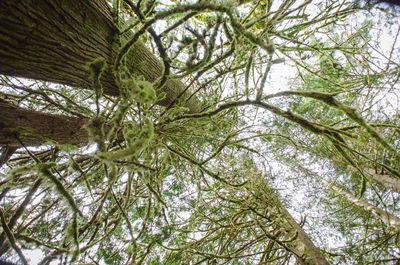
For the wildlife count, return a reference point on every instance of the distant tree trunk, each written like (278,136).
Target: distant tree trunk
(54,40)
(35,128)
(387,181)
(302,245)
(297,239)
(384,216)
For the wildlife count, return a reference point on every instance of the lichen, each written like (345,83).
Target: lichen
(97,68)
(135,88)
(135,145)
(95,129)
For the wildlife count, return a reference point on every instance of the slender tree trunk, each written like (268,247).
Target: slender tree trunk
(35,128)
(54,40)
(4,244)
(386,217)
(302,245)
(387,181)
(297,239)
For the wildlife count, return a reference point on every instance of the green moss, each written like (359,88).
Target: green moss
(147,92)
(137,89)
(97,68)
(136,143)
(95,129)
(45,170)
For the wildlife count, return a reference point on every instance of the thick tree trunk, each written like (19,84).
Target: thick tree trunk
(384,216)
(54,40)
(34,128)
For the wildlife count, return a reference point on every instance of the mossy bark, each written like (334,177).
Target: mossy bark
(34,128)
(302,245)
(54,41)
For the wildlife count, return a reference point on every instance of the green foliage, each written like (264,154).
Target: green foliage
(169,185)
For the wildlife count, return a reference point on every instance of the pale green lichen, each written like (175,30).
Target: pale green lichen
(135,145)
(147,92)
(45,170)
(136,89)
(140,91)
(95,129)
(97,68)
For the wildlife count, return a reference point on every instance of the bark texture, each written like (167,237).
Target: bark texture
(54,40)
(35,128)
(299,243)
(387,181)
(384,216)
(302,245)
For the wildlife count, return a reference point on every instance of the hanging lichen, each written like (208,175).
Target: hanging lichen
(95,129)
(45,170)
(137,89)
(134,147)
(96,70)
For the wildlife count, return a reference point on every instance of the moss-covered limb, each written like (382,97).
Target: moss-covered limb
(352,113)
(202,168)
(4,246)
(289,115)
(178,9)
(18,212)
(37,242)
(329,99)
(75,236)
(11,238)
(378,125)
(35,128)
(45,171)
(124,214)
(386,217)
(341,146)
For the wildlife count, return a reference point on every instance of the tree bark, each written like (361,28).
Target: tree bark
(384,216)
(299,243)
(35,128)
(387,181)
(54,40)
(302,245)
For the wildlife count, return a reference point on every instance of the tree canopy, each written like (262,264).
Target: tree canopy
(199,132)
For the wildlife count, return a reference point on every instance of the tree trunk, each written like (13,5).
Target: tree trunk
(302,245)
(387,181)
(297,239)
(35,128)
(54,40)
(386,217)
